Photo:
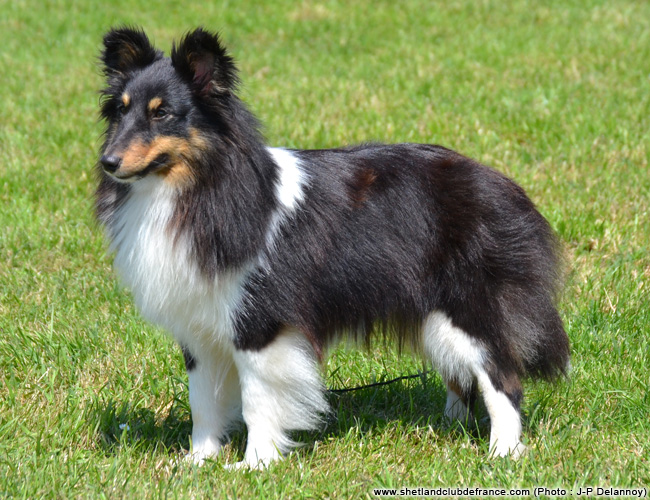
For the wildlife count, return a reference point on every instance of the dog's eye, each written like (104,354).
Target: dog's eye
(160,113)
(122,109)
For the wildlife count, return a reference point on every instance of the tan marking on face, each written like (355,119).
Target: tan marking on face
(198,140)
(180,173)
(175,147)
(154,104)
(181,152)
(139,155)
(133,159)
(126,99)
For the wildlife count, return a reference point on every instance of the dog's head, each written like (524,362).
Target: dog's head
(163,113)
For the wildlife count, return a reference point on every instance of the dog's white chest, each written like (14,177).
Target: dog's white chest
(166,283)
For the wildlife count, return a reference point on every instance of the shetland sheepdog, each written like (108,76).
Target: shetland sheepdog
(258,259)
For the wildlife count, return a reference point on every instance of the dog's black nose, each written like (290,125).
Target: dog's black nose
(110,162)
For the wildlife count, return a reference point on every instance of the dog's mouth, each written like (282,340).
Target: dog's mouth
(160,164)
(168,157)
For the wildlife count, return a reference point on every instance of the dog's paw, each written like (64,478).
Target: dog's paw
(202,450)
(253,464)
(515,451)
(198,458)
(244,465)
(201,456)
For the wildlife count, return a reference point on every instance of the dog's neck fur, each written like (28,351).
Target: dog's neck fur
(156,257)
(224,228)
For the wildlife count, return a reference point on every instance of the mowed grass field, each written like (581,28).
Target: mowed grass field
(556,94)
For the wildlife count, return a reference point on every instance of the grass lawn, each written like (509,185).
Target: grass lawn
(93,400)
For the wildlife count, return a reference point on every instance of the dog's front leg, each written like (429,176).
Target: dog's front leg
(282,391)
(214,400)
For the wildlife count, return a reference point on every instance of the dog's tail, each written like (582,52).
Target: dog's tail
(527,301)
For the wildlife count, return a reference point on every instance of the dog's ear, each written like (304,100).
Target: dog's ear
(126,49)
(205,64)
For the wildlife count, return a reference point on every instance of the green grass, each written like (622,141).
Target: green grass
(554,93)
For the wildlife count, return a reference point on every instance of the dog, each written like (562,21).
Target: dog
(258,259)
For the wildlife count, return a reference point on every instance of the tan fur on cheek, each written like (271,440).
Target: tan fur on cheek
(180,152)
(134,158)
(172,146)
(178,174)
(187,150)
(197,140)
(139,155)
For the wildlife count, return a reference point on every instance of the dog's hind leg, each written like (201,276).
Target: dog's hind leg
(457,357)
(460,402)
(502,394)
(281,390)
(464,362)
(214,400)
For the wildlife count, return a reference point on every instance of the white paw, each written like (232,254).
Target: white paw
(199,458)
(208,450)
(257,459)
(245,464)
(514,451)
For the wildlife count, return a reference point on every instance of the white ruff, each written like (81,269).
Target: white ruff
(166,282)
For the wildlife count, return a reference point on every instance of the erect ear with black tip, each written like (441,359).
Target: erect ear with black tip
(204,63)
(126,49)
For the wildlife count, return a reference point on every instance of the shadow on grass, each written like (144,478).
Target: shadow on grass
(416,402)
(126,423)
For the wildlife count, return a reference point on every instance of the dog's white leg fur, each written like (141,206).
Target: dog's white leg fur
(460,358)
(282,390)
(456,355)
(214,401)
(455,408)
(505,420)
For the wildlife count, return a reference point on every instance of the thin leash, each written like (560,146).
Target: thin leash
(378,384)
